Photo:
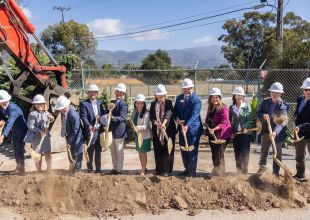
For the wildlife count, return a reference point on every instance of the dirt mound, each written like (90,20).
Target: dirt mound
(40,196)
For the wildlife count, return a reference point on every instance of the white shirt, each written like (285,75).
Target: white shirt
(95,108)
(237,111)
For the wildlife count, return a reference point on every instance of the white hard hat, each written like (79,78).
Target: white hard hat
(187,83)
(62,102)
(121,87)
(4,96)
(238,91)
(306,84)
(160,90)
(93,87)
(215,91)
(38,99)
(276,87)
(140,98)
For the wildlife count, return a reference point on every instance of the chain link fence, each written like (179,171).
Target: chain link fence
(254,81)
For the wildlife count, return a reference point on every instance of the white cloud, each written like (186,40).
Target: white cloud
(204,40)
(105,27)
(152,35)
(27,12)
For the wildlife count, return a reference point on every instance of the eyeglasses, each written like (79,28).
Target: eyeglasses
(306,90)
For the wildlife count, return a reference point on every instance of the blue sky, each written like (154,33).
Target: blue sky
(110,17)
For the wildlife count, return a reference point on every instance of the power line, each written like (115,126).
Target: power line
(168,26)
(178,29)
(192,16)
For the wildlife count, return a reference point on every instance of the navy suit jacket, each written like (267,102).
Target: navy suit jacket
(118,121)
(303,119)
(74,131)
(14,121)
(88,118)
(189,113)
(264,108)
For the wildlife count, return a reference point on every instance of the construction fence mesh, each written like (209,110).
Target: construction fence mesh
(254,81)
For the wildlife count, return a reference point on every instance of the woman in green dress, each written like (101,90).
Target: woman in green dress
(140,119)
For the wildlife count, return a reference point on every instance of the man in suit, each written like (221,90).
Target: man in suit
(302,123)
(118,128)
(11,116)
(187,111)
(269,109)
(90,110)
(71,130)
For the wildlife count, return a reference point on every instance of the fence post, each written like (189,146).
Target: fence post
(82,72)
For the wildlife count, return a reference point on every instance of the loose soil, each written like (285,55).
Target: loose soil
(43,196)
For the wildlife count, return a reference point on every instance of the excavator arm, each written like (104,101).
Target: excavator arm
(15,30)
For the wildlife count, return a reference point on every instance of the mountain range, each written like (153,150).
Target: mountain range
(207,56)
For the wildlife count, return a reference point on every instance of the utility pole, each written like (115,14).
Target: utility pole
(62,9)
(280,25)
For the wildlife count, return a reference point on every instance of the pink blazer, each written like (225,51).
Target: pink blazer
(221,119)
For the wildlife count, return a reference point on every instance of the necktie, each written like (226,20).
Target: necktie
(63,125)
(185,101)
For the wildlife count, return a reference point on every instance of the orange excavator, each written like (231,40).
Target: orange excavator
(15,33)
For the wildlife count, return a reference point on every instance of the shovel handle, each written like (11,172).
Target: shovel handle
(273,143)
(184,136)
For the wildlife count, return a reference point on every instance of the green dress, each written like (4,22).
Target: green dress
(146,144)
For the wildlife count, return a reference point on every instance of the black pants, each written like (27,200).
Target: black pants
(241,144)
(163,161)
(94,148)
(300,156)
(218,159)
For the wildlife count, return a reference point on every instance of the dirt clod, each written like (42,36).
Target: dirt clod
(179,203)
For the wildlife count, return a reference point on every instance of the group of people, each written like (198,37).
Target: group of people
(158,126)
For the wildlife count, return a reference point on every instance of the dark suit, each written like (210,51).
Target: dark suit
(88,119)
(189,112)
(164,161)
(303,123)
(118,121)
(268,107)
(15,122)
(74,136)
(119,133)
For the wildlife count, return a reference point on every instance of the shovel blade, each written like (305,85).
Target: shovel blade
(170,146)
(86,156)
(189,148)
(107,141)
(140,139)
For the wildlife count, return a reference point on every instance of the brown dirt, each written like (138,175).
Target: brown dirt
(41,196)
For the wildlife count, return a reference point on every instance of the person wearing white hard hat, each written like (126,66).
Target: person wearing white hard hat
(118,127)
(90,110)
(217,122)
(140,118)
(12,120)
(241,118)
(161,112)
(71,129)
(38,134)
(302,123)
(187,114)
(272,109)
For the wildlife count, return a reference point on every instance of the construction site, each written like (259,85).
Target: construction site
(64,185)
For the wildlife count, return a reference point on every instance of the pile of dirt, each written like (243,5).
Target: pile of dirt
(41,196)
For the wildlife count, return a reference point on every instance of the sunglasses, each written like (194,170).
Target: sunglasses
(306,90)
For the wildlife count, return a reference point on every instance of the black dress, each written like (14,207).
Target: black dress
(163,161)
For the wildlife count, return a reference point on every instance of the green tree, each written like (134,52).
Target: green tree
(249,40)
(160,60)
(69,37)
